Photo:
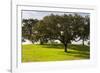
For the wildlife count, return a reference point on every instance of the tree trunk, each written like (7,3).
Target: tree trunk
(41,41)
(65,47)
(30,34)
(83,42)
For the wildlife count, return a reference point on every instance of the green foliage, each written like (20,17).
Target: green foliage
(27,27)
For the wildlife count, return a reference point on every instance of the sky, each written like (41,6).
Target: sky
(40,14)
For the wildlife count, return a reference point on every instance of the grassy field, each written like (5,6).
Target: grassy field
(47,52)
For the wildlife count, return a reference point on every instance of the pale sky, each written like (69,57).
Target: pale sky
(40,14)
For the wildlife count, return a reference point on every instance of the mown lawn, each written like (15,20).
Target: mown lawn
(54,52)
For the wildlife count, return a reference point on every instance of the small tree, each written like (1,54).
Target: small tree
(40,32)
(27,26)
(82,27)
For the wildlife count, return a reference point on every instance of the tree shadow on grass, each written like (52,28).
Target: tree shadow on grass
(81,54)
(79,51)
(79,48)
(72,47)
(73,50)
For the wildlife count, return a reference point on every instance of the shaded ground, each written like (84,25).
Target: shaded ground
(53,52)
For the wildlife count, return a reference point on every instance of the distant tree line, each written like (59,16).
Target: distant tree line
(65,28)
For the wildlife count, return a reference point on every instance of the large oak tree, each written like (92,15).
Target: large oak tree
(65,28)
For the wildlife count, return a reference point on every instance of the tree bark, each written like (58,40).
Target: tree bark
(83,41)
(30,33)
(65,47)
(41,41)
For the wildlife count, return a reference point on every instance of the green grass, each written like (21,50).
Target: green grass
(54,52)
